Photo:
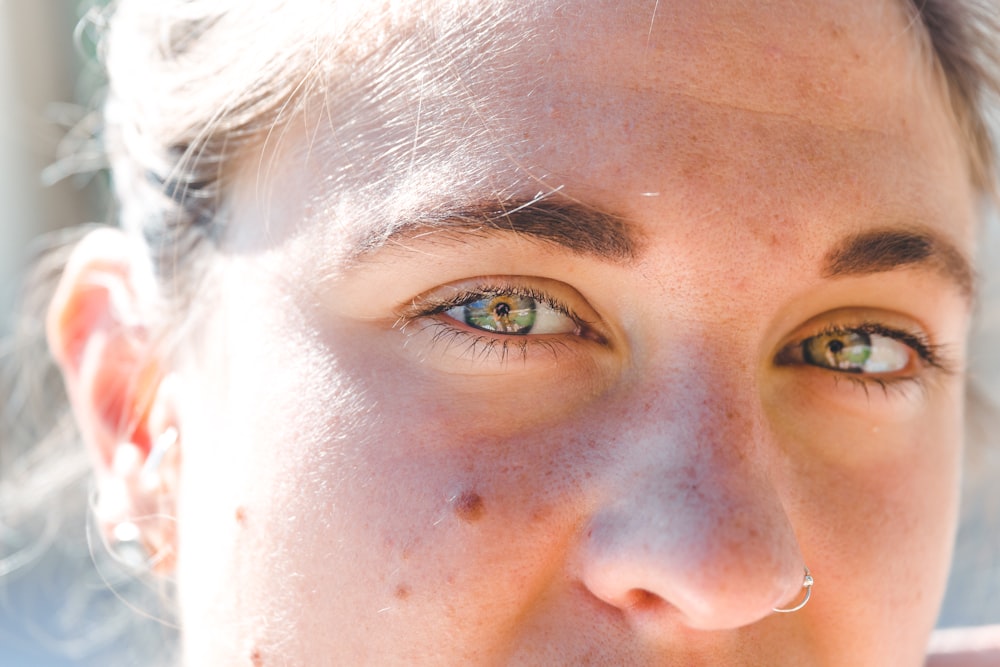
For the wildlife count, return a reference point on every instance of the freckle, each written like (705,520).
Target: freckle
(402,591)
(256,659)
(241,515)
(540,514)
(469,506)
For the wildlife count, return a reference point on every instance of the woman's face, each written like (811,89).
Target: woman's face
(717,337)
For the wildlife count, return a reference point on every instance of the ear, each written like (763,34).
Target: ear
(99,331)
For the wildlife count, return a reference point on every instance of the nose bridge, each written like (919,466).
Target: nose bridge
(694,528)
(705,419)
(702,459)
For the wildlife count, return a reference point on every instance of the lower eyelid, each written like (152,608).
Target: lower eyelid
(473,345)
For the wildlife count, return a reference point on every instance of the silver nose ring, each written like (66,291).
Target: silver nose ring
(807,583)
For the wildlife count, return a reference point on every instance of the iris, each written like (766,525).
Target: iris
(502,313)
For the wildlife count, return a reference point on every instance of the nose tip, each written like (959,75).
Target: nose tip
(705,563)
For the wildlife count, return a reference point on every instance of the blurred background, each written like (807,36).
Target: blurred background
(51,177)
(48,82)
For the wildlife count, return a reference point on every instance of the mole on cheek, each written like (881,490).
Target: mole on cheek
(468,506)
(402,591)
(241,515)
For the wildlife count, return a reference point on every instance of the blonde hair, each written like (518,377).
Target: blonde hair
(196,85)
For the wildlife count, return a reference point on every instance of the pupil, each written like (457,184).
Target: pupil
(502,309)
(835,346)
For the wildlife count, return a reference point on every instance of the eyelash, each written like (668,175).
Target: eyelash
(932,356)
(481,345)
(929,353)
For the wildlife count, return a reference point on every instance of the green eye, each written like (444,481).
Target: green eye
(846,352)
(513,314)
(503,313)
(856,352)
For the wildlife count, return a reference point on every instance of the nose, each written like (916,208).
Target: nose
(693,530)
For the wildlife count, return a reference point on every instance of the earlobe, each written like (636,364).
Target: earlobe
(136,501)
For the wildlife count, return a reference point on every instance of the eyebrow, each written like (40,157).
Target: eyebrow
(884,250)
(589,231)
(581,229)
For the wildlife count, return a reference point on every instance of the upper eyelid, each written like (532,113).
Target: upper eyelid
(467,296)
(930,354)
(468,290)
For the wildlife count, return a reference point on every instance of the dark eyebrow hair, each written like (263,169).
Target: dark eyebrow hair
(587,230)
(578,228)
(890,249)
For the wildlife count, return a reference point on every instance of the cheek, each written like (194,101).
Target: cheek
(342,504)
(882,523)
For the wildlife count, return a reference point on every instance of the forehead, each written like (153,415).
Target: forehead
(790,106)
(674,75)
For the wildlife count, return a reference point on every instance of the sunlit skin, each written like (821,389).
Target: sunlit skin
(643,481)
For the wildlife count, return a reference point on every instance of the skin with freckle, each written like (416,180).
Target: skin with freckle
(469,506)
(676,464)
(637,463)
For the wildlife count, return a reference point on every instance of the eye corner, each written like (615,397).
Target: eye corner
(789,354)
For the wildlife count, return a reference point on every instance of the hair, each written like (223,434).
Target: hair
(188,99)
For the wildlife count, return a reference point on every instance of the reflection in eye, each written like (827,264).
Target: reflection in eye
(856,352)
(505,313)
(512,313)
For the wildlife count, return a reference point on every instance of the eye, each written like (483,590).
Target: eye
(857,352)
(513,314)
(499,319)
(869,351)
